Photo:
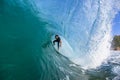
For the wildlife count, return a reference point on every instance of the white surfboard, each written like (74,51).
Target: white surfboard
(65,48)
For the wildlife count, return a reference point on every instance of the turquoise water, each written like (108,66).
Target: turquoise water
(26,28)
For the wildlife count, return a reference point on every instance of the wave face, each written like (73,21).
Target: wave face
(26,28)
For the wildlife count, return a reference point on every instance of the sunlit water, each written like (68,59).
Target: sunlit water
(26,29)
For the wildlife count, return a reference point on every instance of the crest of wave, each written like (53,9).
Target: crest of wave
(98,46)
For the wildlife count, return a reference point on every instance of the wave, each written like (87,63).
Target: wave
(26,28)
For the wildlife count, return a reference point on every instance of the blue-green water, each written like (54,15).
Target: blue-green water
(26,28)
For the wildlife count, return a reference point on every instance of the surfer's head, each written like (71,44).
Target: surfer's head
(56,36)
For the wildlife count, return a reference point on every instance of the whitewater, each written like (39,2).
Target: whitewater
(27,29)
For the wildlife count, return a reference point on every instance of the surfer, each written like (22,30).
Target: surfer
(58,40)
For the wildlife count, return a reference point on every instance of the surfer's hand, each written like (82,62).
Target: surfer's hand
(60,45)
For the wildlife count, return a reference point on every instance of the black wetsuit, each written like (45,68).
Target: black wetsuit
(58,41)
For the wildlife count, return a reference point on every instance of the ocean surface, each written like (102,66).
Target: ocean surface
(109,69)
(28,26)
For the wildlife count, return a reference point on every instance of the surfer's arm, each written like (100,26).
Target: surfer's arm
(60,43)
(54,41)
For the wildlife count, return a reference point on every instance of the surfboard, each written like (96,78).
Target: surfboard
(65,48)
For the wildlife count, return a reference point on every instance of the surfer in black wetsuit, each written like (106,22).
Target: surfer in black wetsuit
(58,40)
